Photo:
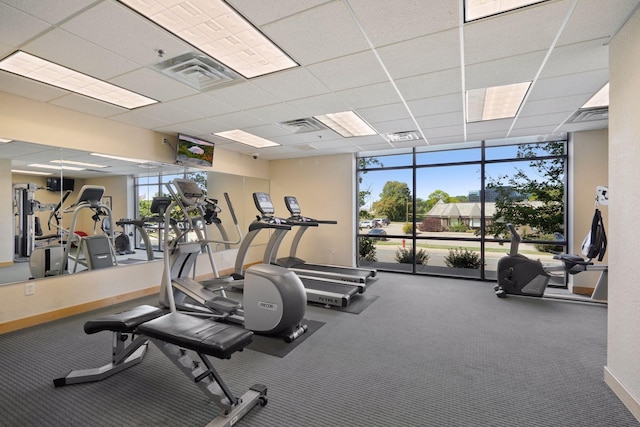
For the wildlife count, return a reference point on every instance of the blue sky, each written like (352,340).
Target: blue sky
(455,180)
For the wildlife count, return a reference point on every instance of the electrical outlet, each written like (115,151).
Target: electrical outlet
(30,289)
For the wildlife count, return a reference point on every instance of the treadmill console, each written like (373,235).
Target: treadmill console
(160,204)
(263,203)
(292,205)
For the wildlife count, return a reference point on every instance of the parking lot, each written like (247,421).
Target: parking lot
(439,249)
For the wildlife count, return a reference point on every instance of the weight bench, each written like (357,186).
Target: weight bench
(176,335)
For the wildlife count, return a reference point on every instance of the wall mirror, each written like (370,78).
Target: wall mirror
(42,175)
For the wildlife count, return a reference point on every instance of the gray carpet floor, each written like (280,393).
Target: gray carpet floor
(427,352)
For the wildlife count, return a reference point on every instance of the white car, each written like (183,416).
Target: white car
(367,223)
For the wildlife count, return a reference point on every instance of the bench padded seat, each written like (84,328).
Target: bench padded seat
(194,333)
(125,322)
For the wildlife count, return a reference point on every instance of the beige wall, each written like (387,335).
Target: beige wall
(324,187)
(623,346)
(589,164)
(32,121)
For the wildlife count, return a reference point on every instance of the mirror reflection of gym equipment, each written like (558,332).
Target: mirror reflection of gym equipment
(77,249)
(28,231)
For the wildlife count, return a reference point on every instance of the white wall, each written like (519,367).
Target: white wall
(623,345)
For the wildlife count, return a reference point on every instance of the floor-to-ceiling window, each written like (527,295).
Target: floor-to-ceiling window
(150,188)
(446,212)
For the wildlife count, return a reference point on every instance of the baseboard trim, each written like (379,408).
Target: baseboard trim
(632,404)
(38,319)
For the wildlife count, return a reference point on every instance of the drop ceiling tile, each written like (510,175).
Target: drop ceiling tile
(117,28)
(550,120)
(572,84)
(595,18)
(51,11)
(243,96)
(28,88)
(201,126)
(518,32)
(238,120)
(84,104)
(291,84)
(193,128)
(388,22)
(202,105)
(384,112)
(167,113)
(440,120)
(369,96)
(275,113)
(456,131)
(153,84)
(260,13)
(423,55)
(440,83)
(391,126)
(136,118)
(500,125)
(269,131)
(68,50)
(577,58)
(504,71)
(317,105)
(5,50)
(554,105)
(584,126)
(448,140)
(436,105)
(318,43)
(359,69)
(18,27)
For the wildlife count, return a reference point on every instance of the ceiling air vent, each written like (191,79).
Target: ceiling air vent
(589,115)
(197,71)
(405,136)
(303,125)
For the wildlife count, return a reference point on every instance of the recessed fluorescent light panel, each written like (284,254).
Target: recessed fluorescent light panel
(218,30)
(246,138)
(125,159)
(32,67)
(347,123)
(59,167)
(477,9)
(31,172)
(600,99)
(498,102)
(74,163)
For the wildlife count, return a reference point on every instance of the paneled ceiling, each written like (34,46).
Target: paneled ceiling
(402,65)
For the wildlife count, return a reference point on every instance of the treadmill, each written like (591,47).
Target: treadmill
(336,272)
(328,292)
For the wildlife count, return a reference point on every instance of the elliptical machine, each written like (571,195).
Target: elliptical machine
(274,297)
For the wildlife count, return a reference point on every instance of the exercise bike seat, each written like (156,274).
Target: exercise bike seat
(573,263)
